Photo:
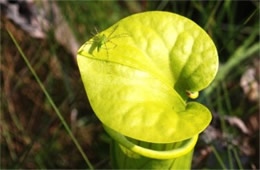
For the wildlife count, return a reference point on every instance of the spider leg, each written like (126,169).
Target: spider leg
(96,30)
(84,45)
(90,42)
(119,36)
(114,29)
(106,50)
(114,44)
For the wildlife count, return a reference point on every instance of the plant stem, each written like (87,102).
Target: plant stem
(51,101)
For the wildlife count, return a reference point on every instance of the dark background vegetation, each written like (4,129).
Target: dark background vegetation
(32,135)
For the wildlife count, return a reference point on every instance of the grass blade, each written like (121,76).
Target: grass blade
(212,14)
(237,159)
(240,55)
(218,157)
(230,160)
(51,102)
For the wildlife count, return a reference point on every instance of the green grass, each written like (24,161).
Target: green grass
(33,133)
(53,105)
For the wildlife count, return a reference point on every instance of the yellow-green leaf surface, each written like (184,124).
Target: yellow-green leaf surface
(137,81)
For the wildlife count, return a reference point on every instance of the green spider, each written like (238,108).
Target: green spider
(100,40)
